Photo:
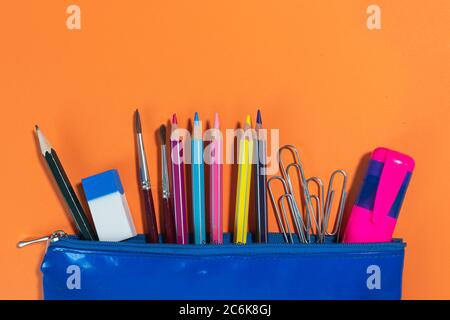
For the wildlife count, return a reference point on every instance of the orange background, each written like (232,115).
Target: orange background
(334,89)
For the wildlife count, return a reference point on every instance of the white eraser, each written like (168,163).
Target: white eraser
(109,207)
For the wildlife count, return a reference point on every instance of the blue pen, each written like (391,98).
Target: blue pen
(198,183)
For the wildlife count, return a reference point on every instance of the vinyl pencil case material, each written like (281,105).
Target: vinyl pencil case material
(133,269)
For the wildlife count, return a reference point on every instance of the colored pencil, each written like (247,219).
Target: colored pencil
(168,215)
(245,157)
(151,227)
(260,182)
(86,232)
(216,185)
(178,184)
(198,183)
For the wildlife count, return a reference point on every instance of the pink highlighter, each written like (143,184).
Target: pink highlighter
(374,215)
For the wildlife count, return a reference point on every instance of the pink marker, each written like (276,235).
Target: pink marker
(216,183)
(178,185)
(374,215)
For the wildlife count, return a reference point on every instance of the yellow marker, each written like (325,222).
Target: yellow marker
(245,157)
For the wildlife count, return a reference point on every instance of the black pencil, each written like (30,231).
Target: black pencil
(76,210)
(260,183)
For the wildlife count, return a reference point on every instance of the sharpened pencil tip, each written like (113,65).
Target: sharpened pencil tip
(36,127)
(138,122)
(196,120)
(43,143)
(174,119)
(162,134)
(258,117)
(248,120)
(216,120)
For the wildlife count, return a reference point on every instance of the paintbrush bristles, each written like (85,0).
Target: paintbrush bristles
(138,122)
(162,134)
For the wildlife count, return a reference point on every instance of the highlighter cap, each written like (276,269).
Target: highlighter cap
(382,154)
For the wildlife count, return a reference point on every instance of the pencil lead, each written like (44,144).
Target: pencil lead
(138,122)
(43,143)
(216,120)
(162,134)
(174,119)
(196,120)
(258,117)
(248,120)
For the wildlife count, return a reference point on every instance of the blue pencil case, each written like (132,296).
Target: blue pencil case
(132,269)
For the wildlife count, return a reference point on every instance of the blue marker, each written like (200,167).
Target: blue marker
(198,183)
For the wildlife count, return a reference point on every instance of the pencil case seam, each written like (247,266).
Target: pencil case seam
(342,256)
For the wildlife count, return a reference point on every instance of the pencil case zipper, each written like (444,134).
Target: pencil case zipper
(61,239)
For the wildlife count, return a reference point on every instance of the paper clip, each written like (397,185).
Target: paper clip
(310,213)
(329,204)
(283,220)
(319,208)
(302,222)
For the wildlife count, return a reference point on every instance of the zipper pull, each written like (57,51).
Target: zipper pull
(55,236)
